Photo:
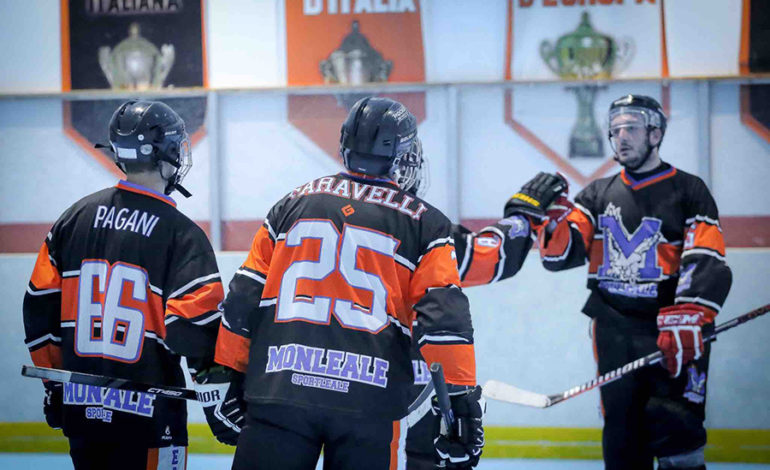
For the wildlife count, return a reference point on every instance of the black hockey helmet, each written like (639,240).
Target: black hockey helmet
(379,138)
(143,133)
(649,110)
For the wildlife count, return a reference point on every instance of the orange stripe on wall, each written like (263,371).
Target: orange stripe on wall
(739,232)
(743,57)
(663,44)
(66,79)
(508,73)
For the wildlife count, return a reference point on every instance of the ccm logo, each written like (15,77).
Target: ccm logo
(160,391)
(684,319)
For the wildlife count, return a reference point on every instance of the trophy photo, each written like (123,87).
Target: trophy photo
(354,62)
(586,54)
(136,63)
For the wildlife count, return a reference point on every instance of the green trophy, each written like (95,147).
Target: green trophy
(586,54)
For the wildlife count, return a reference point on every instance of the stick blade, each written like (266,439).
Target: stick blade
(508,393)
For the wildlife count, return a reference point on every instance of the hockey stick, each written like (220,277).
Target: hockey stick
(497,390)
(442,395)
(66,376)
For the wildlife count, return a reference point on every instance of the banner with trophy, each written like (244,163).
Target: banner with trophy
(552,41)
(349,43)
(755,58)
(130,46)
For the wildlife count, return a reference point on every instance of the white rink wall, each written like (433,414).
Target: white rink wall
(529,332)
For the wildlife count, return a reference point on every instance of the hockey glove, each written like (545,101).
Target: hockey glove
(461,447)
(220,392)
(52,404)
(680,338)
(536,195)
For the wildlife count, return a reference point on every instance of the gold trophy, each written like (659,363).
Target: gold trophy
(135,63)
(586,54)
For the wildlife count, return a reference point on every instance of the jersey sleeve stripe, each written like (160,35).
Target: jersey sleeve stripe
(232,350)
(558,247)
(587,213)
(45,276)
(47,356)
(250,274)
(501,250)
(32,344)
(404,262)
(200,302)
(270,230)
(442,339)
(439,241)
(484,260)
(204,319)
(705,219)
(704,251)
(458,361)
(32,291)
(182,290)
(261,252)
(708,236)
(467,255)
(699,300)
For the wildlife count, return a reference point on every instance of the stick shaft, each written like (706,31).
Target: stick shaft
(442,395)
(65,376)
(652,358)
(611,376)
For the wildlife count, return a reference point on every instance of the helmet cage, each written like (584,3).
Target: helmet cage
(410,169)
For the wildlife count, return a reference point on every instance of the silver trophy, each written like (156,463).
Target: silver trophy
(135,63)
(355,62)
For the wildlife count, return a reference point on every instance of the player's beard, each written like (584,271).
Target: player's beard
(634,163)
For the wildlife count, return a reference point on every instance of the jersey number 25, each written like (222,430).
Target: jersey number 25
(330,259)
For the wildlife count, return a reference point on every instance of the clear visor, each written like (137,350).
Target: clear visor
(410,170)
(640,116)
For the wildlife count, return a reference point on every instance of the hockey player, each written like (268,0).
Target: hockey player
(492,254)
(123,285)
(346,273)
(657,276)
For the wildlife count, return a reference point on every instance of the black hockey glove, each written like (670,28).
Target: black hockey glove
(52,404)
(220,392)
(536,195)
(461,448)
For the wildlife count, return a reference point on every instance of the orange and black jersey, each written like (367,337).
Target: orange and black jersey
(344,275)
(123,285)
(651,240)
(494,253)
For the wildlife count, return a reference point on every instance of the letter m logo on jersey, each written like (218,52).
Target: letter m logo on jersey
(629,258)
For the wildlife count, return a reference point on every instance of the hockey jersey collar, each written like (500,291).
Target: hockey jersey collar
(139,189)
(637,182)
(367,178)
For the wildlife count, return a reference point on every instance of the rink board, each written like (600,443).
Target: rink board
(725,445)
